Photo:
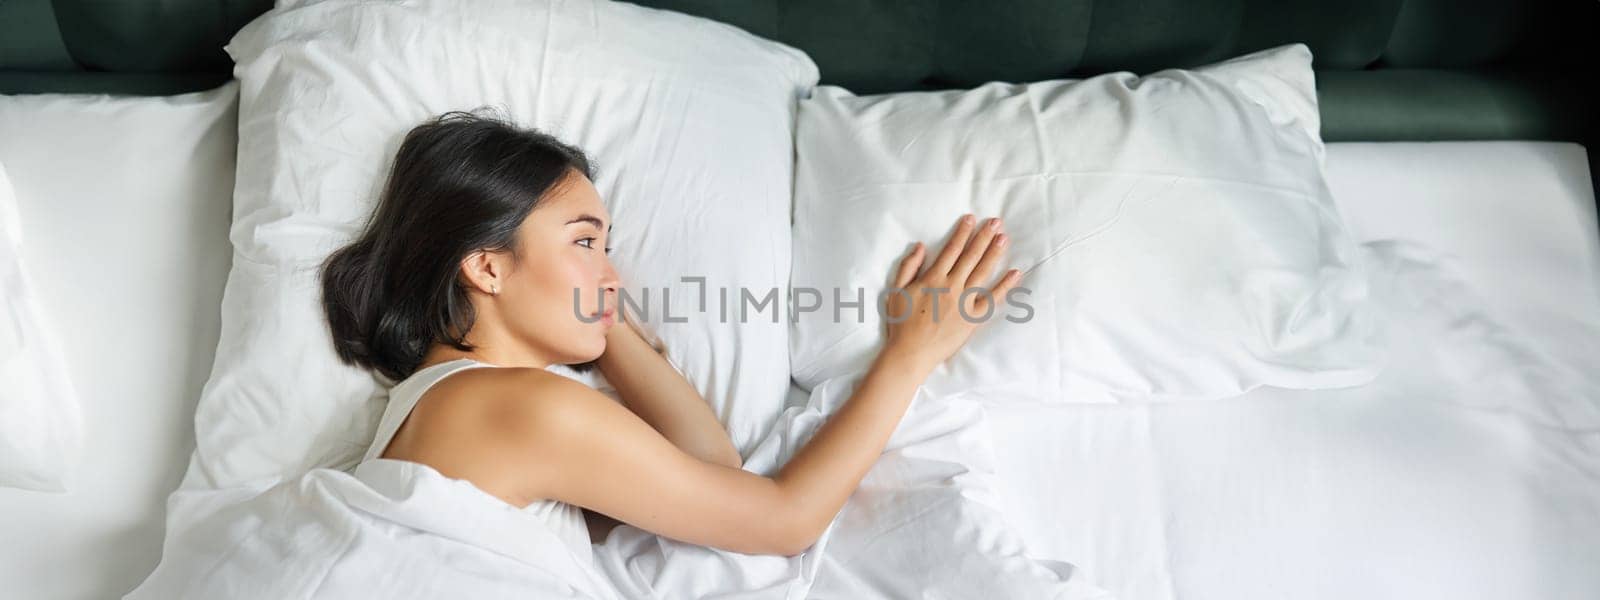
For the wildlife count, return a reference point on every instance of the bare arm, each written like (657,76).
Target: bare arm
(822,474)
(650,387)
(593,453)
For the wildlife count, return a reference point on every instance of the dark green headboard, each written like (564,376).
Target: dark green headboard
(1387,69)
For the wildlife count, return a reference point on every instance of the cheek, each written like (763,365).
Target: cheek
(585,277)
(554,282)
(533,303)
(573,278)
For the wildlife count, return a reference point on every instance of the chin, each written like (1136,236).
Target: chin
(585,365)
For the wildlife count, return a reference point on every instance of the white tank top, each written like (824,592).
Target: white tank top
(565,520)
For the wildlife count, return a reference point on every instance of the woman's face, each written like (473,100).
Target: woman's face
(562,251)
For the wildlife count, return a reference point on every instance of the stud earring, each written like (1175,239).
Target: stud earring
(494,289)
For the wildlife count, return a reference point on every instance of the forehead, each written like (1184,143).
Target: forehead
(573,196)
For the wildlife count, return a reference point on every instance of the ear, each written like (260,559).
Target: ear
(483,270)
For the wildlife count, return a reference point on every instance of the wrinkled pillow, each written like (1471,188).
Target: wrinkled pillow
(1175,233)
(689,121)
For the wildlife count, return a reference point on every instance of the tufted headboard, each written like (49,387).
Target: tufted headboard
(1387,69)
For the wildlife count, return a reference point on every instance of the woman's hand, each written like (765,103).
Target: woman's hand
(927,314)
(622,328)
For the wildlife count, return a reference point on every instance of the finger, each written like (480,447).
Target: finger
(975,250)
(952,248)
(999,291)
(908,267)
(991,258)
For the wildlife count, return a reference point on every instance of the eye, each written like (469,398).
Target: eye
(588,242)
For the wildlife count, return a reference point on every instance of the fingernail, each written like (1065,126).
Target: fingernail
(1000,240)
(968,219)
(993,223)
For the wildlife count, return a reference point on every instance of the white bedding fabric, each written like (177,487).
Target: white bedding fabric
(1518,217)
(924,518)
(1469,469)
(124,203)
(1463,472)
(1267,499)
(1175,233)
(41,423)
(392,529)
(689,125)
(1431,499)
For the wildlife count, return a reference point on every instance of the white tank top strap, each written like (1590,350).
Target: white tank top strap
(404,395)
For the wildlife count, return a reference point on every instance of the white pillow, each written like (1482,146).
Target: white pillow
(125,204)
(41,425)
(689,121)
(1174,230)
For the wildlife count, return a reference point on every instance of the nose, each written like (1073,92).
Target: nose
(609,280)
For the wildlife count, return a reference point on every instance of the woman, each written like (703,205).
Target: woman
(485,262)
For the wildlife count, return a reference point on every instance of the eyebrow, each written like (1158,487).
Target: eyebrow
(592,220)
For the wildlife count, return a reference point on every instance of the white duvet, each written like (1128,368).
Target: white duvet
(1214,516)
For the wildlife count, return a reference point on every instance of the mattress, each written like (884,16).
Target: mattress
(1520,215)
(1405,488)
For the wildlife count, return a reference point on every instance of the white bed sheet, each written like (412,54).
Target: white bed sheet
(1373,492)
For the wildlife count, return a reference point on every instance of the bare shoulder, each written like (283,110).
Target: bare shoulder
(532,435)
(494,426)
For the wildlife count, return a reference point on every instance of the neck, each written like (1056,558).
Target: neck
(490,344)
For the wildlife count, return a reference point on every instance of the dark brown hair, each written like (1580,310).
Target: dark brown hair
(460,183)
